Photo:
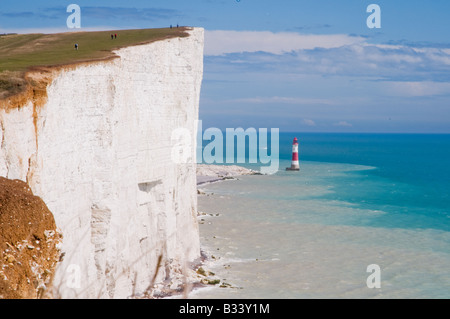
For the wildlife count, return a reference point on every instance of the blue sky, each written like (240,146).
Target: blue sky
(310,66)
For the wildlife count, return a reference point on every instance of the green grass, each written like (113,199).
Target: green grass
(22,52)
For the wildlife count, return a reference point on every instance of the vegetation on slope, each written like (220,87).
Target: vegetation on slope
(20,53)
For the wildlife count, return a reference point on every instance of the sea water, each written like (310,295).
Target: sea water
(358,200)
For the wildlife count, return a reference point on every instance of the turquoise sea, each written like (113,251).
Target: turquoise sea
(358,200)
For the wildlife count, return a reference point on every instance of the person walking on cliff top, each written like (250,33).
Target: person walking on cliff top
(115,36)
(76,46)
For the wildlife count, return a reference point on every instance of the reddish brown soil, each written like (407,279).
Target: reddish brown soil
(28,243)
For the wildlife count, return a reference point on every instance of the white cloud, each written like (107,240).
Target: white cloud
(283,100)
(417,89)
(371,61)
(343,124)
(309,122)
(218,42)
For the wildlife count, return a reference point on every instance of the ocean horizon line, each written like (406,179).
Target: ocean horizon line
(350,133)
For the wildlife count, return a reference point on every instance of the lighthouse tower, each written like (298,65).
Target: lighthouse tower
(295,166)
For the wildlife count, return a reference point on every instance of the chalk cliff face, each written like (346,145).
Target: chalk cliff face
(98,152)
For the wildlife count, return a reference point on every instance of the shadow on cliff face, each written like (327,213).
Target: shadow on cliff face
(28,243)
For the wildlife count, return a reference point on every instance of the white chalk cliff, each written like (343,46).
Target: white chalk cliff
(98,152)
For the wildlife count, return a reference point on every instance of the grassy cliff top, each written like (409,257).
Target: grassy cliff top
(22,52)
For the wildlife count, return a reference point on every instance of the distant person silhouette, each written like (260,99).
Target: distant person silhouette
(76,46)
(112,36)
(115,36)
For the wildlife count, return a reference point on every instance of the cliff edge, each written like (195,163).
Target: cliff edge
(96,147)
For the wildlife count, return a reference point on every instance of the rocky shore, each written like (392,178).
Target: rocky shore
(214,173)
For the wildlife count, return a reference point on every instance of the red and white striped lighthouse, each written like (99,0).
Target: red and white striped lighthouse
(295,166)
